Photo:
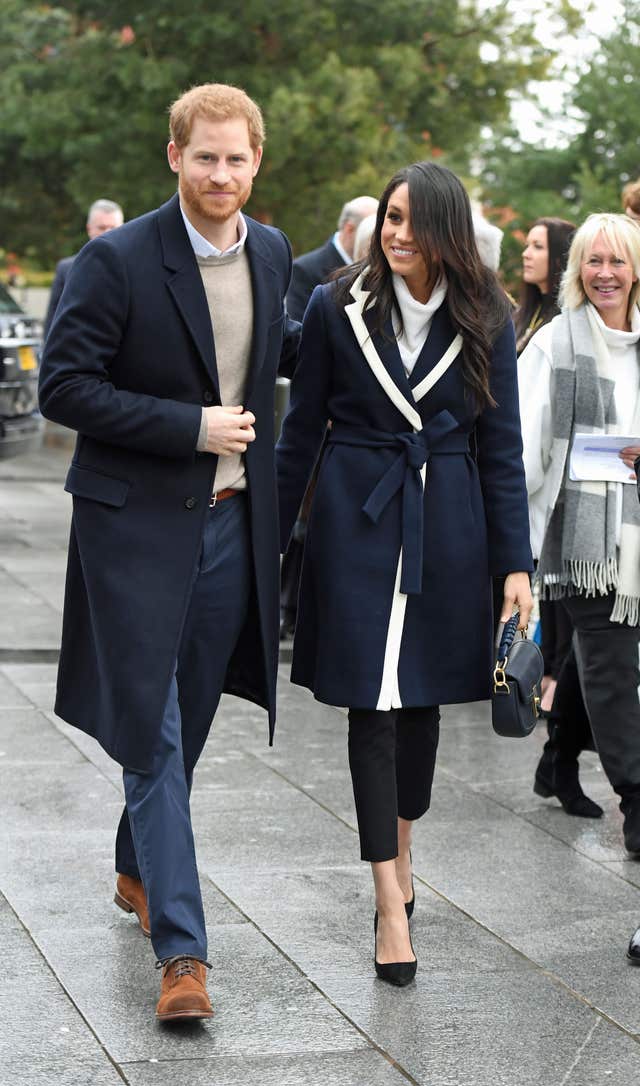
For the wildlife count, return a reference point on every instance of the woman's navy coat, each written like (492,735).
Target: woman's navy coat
(128,363)
(418,502)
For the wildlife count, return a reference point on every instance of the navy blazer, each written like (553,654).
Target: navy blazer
(308,271)
(128,363)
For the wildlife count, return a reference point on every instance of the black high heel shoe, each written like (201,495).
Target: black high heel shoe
(398,973)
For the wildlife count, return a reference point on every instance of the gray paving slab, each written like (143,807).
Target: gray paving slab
(11,697)
(38,800)
(477,1011)
(28,739)
(262,1003)
(52,879)
(361,1068)
(26,621)
(43,1038)
(521,927)
(90,748)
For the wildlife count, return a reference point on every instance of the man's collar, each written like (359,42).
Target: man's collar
(341,252)
(204,248)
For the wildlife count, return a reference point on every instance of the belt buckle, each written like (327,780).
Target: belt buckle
(213,500)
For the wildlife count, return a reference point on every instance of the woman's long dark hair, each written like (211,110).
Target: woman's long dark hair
(443,231)
(533,303)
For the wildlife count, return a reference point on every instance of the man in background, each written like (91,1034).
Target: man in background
(103,215)
(309,270)
(316,266)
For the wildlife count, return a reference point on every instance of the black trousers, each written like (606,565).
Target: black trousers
(392,757)
(607,661)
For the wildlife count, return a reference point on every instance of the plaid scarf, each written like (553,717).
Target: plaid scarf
(579,553)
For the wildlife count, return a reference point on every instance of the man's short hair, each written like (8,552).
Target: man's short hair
(631,196)
(108,207)
(355,210)
(215,102)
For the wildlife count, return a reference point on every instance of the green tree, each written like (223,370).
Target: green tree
(521,182)
(351,90)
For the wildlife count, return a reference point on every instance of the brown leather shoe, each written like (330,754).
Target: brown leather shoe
(131,897)
(183,990)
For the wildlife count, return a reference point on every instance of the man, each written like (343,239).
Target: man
(103,215)
(163,355)
(316,266)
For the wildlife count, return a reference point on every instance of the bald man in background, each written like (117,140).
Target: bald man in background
(102,216)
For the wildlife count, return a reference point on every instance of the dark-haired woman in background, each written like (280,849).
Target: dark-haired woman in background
(544,259)
(409,356)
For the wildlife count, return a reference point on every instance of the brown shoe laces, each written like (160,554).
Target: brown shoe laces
(184,965)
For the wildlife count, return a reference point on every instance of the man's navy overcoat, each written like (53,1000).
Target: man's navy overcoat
(129,362)
(419,500)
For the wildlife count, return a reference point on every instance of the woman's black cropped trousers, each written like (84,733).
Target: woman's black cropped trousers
(392,757)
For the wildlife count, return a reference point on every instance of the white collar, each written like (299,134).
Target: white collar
(616,337)
(341,252)
(204,248)
(414,312)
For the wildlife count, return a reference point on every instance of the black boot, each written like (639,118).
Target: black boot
(557,775)
(630,807)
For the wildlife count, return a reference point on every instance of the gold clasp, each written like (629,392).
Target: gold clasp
(536,702)
(500,684)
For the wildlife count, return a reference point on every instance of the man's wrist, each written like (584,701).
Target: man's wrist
(201,445)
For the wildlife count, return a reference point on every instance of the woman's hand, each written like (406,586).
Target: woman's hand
(517,596)
(628,455)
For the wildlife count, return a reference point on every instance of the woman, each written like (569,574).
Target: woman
(409,357)
(580,374)
(543,261)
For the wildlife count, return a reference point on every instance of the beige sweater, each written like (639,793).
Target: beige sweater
(227,284)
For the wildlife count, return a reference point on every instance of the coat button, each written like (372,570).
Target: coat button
(207,395)
(190,503)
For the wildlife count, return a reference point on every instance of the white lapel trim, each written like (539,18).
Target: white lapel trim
(389,694)
(451,353)
(354,312)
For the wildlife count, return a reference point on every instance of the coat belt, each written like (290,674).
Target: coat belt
(415,448)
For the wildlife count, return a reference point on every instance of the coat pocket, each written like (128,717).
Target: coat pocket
(88,483)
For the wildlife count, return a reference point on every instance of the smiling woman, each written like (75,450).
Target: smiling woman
(411,356)
(585,532)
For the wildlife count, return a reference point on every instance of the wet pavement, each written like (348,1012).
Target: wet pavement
(522,913)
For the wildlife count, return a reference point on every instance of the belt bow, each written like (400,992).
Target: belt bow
(404,473)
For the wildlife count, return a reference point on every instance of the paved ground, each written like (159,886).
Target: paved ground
(521,922)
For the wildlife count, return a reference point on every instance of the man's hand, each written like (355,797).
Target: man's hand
(628,455)
(229,429)
(517,595)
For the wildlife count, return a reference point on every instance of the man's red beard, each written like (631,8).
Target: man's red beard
(216,209)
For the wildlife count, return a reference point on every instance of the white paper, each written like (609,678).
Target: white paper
(595,457)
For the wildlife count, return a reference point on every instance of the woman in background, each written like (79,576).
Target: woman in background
(544,259)
(581,374)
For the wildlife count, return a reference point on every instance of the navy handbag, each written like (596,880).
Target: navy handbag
(515,700)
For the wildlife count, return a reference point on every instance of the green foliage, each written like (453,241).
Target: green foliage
(522,182)
(351,90)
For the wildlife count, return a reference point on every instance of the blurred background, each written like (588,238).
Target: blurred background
(533,102)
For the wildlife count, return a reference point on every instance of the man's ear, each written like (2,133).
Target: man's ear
(257,159)
(174,156)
